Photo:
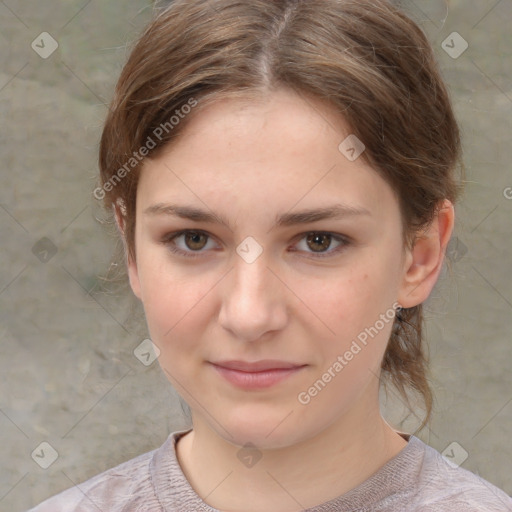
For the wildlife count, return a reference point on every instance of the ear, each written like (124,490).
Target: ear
(133,273)
(424,262)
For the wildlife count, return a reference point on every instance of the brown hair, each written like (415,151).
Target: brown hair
(367,59)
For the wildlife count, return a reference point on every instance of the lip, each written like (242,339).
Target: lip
(256,375)
(257,366)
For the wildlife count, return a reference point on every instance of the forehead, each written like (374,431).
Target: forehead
(297,117)
(279,148)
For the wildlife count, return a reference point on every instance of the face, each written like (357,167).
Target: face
(267,284)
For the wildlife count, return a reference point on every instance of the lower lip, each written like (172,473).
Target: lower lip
(256,380)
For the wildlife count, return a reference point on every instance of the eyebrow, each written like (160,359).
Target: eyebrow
(336,211)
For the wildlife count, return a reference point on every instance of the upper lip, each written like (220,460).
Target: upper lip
(257,366)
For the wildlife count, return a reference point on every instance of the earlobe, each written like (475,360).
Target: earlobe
(424,262)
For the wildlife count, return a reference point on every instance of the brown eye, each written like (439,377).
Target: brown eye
(187,243)
(195,240)
(319,242)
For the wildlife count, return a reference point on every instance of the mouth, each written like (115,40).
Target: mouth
(256,375)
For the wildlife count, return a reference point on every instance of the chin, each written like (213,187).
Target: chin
(265,431)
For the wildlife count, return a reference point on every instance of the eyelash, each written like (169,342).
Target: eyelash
(169,242)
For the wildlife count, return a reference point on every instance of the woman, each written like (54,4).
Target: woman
(283,178)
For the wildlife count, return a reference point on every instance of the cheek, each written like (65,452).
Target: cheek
(350,315)
(348,299)
(349,342)
(175,315)
(173,308)
(173,305)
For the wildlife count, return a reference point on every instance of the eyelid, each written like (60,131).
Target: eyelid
(338,237)
(168,240)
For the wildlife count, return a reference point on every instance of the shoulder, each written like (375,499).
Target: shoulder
(113,490)
(442,486)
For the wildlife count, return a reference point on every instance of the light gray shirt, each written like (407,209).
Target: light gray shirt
(418,478)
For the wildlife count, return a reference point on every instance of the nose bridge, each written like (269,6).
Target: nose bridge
(252,303)
(251,262)
(251,279)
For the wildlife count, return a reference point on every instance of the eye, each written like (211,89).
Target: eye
(194,241)
(320,241)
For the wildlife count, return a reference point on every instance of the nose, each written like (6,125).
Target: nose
(253,300)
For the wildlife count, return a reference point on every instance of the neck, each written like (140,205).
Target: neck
(303,475)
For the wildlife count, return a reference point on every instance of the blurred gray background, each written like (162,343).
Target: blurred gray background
(70,377)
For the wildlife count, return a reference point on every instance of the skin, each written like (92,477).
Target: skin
(250,161)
